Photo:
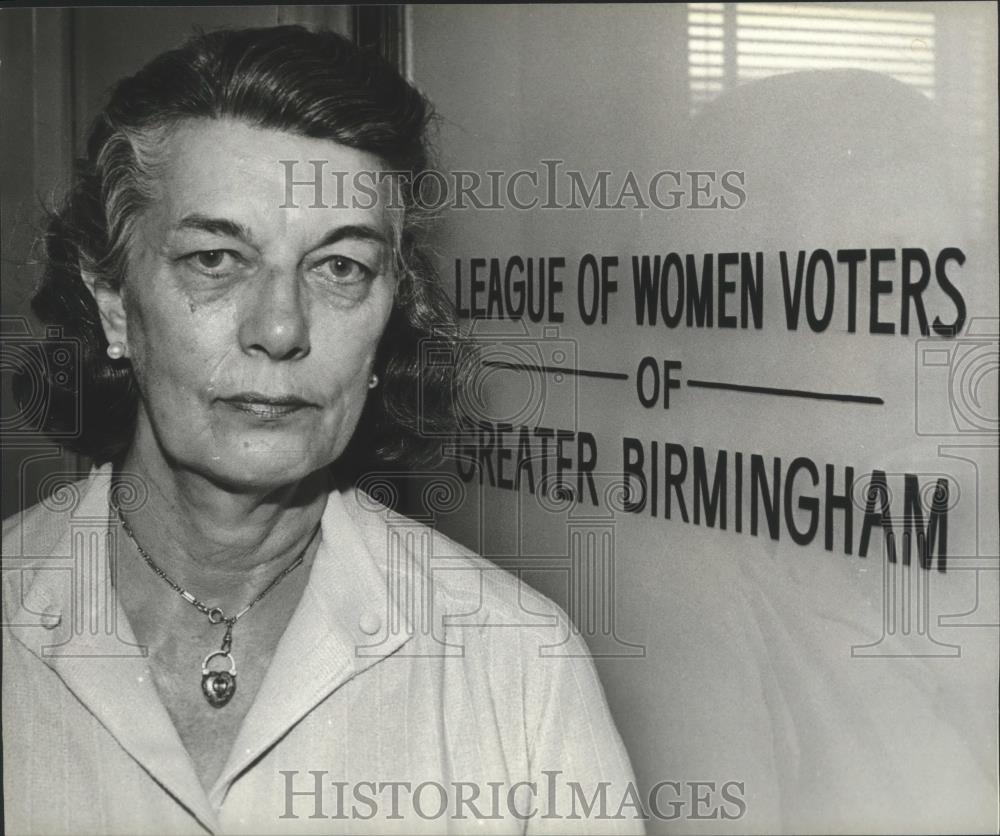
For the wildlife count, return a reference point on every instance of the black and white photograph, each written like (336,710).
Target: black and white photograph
(557,418)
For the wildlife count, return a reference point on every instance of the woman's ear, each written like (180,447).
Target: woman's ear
(109,303)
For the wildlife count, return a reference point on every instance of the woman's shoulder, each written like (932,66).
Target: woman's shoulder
(493,640)
(35,535)
(465,586)
(38,531)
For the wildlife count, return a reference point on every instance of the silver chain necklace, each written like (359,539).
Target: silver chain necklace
(218,686)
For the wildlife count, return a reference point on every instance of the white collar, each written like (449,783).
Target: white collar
(347,620)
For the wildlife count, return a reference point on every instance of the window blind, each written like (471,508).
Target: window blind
(731,43)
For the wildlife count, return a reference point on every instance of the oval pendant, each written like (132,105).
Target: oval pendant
(218,686)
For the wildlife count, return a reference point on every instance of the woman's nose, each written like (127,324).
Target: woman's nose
(274,321)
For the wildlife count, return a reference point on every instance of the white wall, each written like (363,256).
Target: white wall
(847,692)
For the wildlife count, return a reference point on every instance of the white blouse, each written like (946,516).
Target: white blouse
(417,689)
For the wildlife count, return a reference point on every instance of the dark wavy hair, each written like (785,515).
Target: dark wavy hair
(315,84)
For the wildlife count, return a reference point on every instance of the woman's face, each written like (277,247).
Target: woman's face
(252,320)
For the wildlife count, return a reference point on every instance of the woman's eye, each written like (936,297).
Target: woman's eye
(213,262)
(345,270)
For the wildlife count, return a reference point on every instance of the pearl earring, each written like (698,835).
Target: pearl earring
(116,350)
(373,381)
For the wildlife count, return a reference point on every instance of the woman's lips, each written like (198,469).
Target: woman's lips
(266,407)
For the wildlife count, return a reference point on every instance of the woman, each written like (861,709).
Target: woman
(250,346)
